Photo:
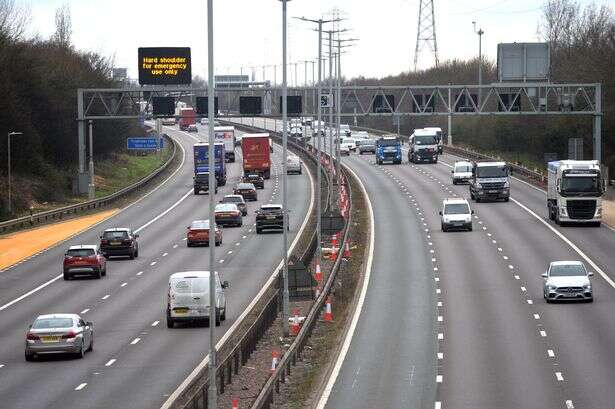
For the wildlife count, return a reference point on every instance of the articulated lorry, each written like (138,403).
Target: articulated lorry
(490,181)
(187,116)
(574,191)
(226,135)
(388,149)
(423,146)
(256,154)
(201,165)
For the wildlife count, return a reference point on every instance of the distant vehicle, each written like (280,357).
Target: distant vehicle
(238,138)
(344,150)
(59,334)
(366,145)
(567,281)
(204,121)
(256,152)
(201,183)
(490,181)
(574,191)
(188,298)
(247,190)
(456,215)
(293,165)
(350,142)
(84,259)
(254,178)
(201,160)
(388,149)
(362,135)
(187,117)
(226,135)
(296,133)
(168,121)
(323,128)
(192,128)
(198,233)
(307,121)
(269,217)
(237,200)
(228,214)
(462,171)
(345,130)
(423,146)
(119,241)
(439,139)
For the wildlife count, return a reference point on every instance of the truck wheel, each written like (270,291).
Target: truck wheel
(196,191)
(506,199)
(258,231)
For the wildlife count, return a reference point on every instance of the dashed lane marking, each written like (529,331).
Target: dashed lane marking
(135,341)
(559,376)
(550,353)
(110,362)
(106,296)
(81,386)
(155,323)
(85,311)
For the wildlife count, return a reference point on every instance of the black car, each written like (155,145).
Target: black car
(120,241)
(269,217)
(256,179)
(239,201)
(201,183)
(247,190)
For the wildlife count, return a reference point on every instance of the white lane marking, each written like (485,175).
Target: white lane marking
(505,257)
(229,252)
(161,215)
(499,248)
(139,273)
(155,323)
(85,311)
(124,285)
(165,254)
(439,303)
(249,230)
(440,355)
(105,297)
(185,238)
(153,263)
(559,376)
(543,333)
(81,386)
(550,353)
(324,397)
(437,405)
(440,318)
(516,277)
(1,366)
(523,289)
(569,404)
(530,302)
(110,362)
(570,243)
(135,341)
(221,261)
(237,244)
(536,316)
(439,378)
(440,336)
(243,237)
(29,293)
(438,291)
(436,279)
(510,266)
(175,246)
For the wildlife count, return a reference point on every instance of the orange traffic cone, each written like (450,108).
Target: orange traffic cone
(294,326)
(318,275)
(333,255)
(347,251)
(334,240)
(274,360)
(235,404)
(328,315)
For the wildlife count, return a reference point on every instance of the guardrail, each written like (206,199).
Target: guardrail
(59,214)
(196,393)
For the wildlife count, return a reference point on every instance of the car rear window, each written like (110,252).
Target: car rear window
(226,207)
(200,225)
(271,210)
(232,199)
(190,285)
(115,235)
(45,323)
(80,252)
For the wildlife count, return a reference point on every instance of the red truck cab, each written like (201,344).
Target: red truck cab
(256,154)
(187,117)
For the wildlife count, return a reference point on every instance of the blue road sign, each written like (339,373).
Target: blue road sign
(147,143)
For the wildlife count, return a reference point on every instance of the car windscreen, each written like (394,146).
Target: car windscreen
(45,323)
(425,140)
(200,225)
(456,208)
(115,235)
(190,285)
(491,171)
(388,142)
(80,253)
(580,184)
(463,168)
(567,270)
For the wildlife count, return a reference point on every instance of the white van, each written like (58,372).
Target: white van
(188,298)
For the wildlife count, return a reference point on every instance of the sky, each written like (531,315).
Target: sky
(248,33)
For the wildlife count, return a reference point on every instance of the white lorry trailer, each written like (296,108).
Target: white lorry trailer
(226,135)
(574,191)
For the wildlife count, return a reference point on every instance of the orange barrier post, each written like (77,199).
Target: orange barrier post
(318,275)
(295,327)
(347,251)
(328,316)
(274,360)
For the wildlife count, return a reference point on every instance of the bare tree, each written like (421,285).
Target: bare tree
(13,21)
(63,33)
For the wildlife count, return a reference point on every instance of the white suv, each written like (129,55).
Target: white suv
(462,171)
(456,215)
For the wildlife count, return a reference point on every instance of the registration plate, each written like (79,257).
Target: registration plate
(570,295)
(270,217)
(181,310)
(493,191)
(116,243)
(50,338)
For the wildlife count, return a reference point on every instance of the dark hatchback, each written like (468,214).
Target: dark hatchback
(247,190)
(255,179)
(119,241)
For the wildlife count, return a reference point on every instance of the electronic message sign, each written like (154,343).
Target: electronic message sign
(165,66)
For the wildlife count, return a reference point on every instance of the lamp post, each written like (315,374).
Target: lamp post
(10,203)
(480,33)
(91,191)
(212,390)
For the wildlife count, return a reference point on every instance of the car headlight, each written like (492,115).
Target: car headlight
(478,185)
(599,211)
(506,184)
(551,287)
(563,211)
(587,287)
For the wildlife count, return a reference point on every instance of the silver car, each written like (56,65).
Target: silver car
(293,165)
(567,280)
(59,334)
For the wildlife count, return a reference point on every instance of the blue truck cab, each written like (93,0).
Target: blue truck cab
(388,149)
(201,161)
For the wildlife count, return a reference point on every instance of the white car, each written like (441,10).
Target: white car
(204,121)
(293,165)
(360,135)
(188,298)
(344,150)
(567,280)
(350,143)
(456,215)
(462,171)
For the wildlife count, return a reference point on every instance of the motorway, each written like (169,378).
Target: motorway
(137,362)
(457,320)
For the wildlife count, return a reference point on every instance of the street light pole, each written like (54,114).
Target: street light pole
(91,192)
(285,300)
(212,390)
(480,33)
(10,203)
